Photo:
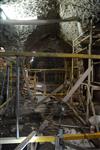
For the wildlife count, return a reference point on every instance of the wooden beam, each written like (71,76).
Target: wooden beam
(52,93)
(77,84)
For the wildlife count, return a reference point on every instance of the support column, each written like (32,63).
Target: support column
(17,97)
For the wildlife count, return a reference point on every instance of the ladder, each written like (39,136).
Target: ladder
(77,64)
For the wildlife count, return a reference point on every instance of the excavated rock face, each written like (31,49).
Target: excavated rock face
(82,9)
(28,9)
(19,9)
(9,38)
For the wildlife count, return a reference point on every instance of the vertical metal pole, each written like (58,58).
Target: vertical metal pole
(11,72)
(17,98)
(89,52)
(8,73)
(65,66)
(72,77)
(44,83)
(7,87)
(89,75)
(90,78)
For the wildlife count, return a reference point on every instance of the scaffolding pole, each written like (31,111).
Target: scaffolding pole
(17,98)
(43,139)
(38,22)
(51,55)
(8,82)
(77,84)
(25,141)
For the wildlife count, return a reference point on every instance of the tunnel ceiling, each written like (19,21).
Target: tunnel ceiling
(16,37)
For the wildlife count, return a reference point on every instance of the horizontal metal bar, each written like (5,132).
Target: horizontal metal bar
(42,70)
(45,54)
(49,94)
(42,139)
(38,22)
(25,141)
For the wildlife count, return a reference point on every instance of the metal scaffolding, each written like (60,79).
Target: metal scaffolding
(49,55)
(32,138)
(42,139)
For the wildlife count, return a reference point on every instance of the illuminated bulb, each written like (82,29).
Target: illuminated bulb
(32,60)
(39,86)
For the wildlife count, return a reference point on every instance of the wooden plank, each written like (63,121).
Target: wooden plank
(77,84)
(52,93)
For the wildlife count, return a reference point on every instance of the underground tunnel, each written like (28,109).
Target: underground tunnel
(49,74)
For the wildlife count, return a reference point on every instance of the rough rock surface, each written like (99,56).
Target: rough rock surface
(46,9)
(29,9)
(81,9)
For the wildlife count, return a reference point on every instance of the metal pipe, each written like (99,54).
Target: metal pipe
(17,98)
(8,75)
(38,22)
(26,141)
(72,73)
(43,139)
(48,70)
(89,76)
(89,66)
(54,55)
